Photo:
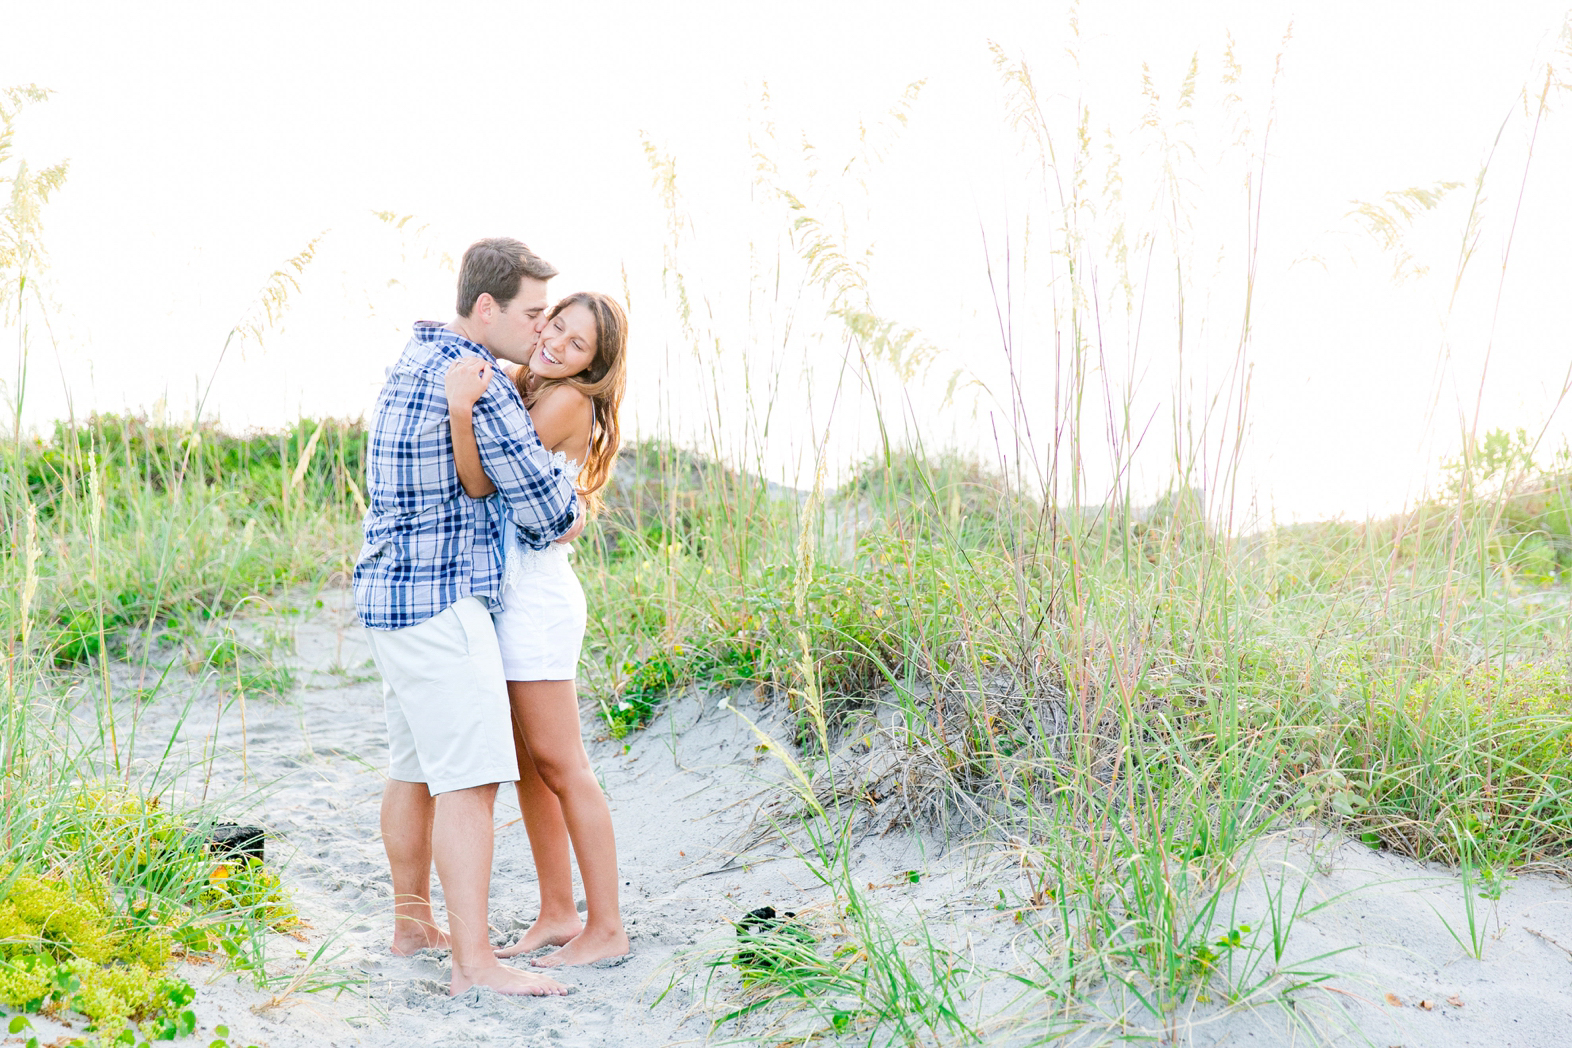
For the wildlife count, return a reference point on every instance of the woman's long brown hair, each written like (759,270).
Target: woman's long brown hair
(602,382)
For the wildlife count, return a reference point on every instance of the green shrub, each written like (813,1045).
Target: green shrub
(64,947)
(1474,763)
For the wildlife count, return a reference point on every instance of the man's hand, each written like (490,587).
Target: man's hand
(466,382)
(578,526)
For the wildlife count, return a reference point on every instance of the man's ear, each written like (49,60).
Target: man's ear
(485,307)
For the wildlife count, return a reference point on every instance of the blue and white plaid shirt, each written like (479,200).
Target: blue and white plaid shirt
(427,543)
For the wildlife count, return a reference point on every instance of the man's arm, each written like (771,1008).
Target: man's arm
(545,506)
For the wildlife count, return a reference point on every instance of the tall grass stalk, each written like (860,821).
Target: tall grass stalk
(1123,701)
(129,545)
(1129,700)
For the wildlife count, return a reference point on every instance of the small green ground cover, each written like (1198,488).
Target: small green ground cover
(92,925)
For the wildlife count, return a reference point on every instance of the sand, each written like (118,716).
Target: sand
(693,798)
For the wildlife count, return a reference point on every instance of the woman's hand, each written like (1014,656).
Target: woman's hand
(466,382)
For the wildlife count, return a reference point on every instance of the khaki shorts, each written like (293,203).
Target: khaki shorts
(449,725)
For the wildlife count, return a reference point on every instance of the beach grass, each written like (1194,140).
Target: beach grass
(1129,700)
(1124,702)
(1133,701)
(131,547)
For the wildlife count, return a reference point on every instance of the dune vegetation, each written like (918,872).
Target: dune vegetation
(1130,698)
(1125,697)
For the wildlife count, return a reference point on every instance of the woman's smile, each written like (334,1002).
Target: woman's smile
(566,345)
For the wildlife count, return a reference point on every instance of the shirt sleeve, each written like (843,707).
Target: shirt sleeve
(539,494)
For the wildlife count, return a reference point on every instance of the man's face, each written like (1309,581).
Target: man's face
(511,332)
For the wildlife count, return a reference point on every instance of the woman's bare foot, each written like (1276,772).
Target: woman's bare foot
(409,937)
(542,933)
(506,980)
(587,948)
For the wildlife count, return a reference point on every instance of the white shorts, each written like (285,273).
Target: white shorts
(541,627)
(449,724)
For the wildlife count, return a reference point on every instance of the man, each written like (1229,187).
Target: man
(425,581)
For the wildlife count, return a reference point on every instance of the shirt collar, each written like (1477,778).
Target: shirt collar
(436,332)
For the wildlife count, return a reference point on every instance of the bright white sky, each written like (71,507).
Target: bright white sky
(211,142)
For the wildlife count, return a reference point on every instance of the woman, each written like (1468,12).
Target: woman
(572,386)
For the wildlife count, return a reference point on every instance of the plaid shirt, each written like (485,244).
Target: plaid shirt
(427,543)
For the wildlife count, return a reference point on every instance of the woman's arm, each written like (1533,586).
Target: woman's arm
(466,381)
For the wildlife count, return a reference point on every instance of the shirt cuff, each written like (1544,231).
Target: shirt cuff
(578,514)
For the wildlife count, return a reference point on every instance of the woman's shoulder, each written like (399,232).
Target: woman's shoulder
(562,414)
(564,403)
(562,397)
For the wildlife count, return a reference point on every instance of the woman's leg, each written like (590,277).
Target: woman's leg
(548,712)
(558,920)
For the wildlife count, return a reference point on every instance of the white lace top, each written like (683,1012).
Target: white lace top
(519,559)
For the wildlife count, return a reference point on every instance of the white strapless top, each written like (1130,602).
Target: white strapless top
(519,559)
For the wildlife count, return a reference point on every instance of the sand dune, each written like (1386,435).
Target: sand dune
(693,799)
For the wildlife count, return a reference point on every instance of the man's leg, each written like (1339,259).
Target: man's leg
(461,843)
(407,809)
(448,727)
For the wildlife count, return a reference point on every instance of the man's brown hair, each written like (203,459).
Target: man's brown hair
(496,266)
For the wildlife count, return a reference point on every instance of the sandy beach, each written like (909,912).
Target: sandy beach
(1378,946)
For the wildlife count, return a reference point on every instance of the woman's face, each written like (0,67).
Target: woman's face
(567,344)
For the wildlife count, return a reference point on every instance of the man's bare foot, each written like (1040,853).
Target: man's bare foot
(418,937)
(507,980)
(556,933)
(587,948)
